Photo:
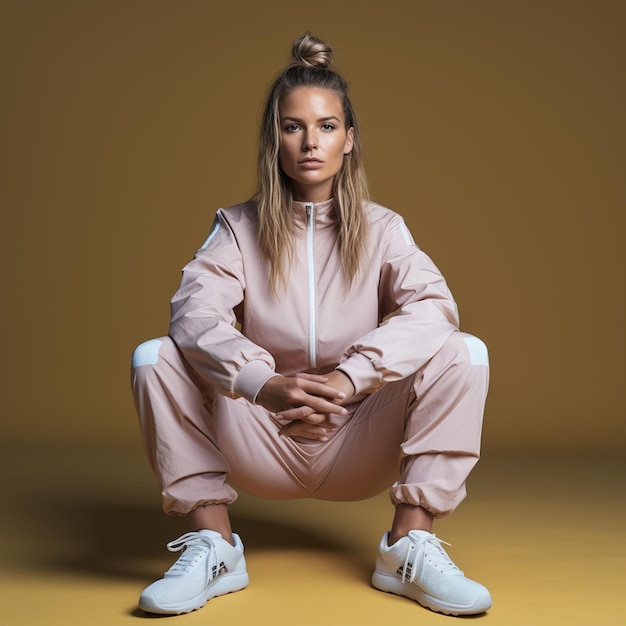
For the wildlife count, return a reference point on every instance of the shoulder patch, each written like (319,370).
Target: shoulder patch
(215,227)
(407,234)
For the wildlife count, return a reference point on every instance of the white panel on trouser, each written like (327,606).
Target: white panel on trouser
(477,349)
(147,353)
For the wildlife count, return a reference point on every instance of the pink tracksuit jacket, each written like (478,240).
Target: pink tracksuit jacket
(394,318)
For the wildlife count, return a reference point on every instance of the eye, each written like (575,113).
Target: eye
(328,127)
(292,128)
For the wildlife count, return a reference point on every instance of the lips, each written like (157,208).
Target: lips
(310,164)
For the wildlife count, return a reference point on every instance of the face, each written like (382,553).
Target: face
(313,141)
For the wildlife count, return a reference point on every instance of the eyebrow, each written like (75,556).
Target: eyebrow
(321,119)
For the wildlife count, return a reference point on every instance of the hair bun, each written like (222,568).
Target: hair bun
(309,51)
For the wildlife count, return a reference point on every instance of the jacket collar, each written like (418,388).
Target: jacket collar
(323,212)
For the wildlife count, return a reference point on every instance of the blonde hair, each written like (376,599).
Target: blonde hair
(310,67)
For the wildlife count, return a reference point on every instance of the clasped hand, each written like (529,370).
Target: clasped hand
(305,402)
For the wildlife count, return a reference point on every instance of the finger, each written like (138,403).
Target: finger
(306,431)
(318,403)
(320,419)
(316,377)
(301,428)
(311,412)
(323,423)
(319,389)
(291,415)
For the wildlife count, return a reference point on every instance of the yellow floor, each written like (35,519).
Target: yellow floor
(82,534)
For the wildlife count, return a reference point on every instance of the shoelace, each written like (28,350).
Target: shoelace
(422,549)
(194,547)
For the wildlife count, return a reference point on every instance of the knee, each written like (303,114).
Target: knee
(147,353)
(465,352)
(476,349)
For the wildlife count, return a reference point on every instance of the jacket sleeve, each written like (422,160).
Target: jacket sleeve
(204,317)
(418,315)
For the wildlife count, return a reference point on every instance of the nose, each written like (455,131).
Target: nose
(310,142)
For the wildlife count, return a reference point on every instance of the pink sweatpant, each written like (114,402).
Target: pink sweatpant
(420,436)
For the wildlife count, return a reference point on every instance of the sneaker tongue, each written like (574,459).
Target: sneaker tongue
(189,559)
(431,545)
(195,547)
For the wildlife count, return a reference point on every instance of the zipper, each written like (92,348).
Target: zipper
(310,226)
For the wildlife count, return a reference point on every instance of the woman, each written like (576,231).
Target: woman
(348,374)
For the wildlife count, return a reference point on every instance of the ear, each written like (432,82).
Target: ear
(347,148)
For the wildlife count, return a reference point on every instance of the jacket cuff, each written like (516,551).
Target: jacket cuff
(251,377)
(362,373)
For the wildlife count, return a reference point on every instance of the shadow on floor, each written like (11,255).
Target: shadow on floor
(126,542)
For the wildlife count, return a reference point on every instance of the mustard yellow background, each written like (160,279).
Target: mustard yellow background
(496,128)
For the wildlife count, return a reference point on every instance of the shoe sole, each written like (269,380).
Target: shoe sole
(223,585)
(391,583)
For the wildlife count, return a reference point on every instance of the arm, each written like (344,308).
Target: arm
(418,312)
(204,316)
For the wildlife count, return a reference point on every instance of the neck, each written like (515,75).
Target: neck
(311,193)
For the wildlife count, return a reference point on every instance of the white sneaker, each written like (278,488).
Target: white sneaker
(209,566)
(417,567)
